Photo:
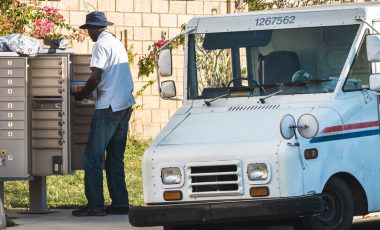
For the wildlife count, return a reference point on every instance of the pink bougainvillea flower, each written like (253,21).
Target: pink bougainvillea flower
(159,43)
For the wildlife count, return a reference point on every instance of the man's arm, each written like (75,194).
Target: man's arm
(91,85)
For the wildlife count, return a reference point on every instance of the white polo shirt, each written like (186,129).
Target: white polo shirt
(116,85)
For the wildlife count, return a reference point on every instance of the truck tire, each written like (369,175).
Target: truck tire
(338,210)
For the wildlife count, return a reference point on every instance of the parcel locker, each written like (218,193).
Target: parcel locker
(50,140)
(14,115)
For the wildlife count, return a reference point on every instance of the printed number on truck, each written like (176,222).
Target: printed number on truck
(275,20)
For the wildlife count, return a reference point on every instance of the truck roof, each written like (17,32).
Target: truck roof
(312,16)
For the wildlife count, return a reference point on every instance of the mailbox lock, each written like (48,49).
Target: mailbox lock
(60,123)
(60,142)
(2,152)
(60,114)
(60,133)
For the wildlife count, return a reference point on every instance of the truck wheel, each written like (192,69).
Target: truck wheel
(338,210)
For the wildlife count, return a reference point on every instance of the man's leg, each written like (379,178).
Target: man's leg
(115,162)
(101,132)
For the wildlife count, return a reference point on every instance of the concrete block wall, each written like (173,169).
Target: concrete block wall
(143,21)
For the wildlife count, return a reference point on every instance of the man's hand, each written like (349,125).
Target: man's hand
(77,95)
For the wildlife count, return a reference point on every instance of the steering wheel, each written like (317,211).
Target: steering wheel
(255,84)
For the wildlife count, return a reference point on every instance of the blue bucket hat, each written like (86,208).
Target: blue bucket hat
(96,18)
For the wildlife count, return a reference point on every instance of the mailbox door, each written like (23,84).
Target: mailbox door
(14,113)
(50,115)
(81,112)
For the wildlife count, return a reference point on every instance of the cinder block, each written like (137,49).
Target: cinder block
(116,18)
(143,6)
(177,7)
(151,102)
(168,104)
(132,19)
(141,33)
(168,20)
(124,6)
(151,130)
(211,8)
(151,20)
(179,104)
(161,7)
(77,18)
(146,45)
(184,18)
(156,33)
(160,116)
(194,8)
(88,5)
(177,62)
(68,5)
(173,32)
(223,8)
(143,116)
(107,5)
(81,48)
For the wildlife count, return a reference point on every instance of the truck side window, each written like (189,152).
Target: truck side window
(358,76)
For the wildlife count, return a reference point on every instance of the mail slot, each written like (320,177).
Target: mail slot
(12,125)
(12,63)
(47,73)
(46,92)
(47,124)
(11,72)
(12,82)
(47,114)
(12,115)
(12,92)
(47,63)
(47,143)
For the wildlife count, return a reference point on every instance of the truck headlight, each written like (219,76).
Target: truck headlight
(171,176)
(257,171)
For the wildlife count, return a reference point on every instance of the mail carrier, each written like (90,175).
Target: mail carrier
(280,119)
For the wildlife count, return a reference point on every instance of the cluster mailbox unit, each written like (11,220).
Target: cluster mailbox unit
(43,131)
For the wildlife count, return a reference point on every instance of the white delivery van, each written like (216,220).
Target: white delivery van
(280,119)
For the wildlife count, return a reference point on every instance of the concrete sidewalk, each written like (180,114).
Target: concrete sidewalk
(62,219)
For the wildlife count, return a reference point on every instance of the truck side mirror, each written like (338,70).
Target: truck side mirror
(168,89)
(374,82)
(373,47)
(165,63)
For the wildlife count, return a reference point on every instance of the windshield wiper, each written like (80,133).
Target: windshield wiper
(237,89)
(208,103)
(291,85)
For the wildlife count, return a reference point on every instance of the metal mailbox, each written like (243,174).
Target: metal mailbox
(42,130)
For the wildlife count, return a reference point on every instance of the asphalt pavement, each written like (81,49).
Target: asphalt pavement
(62,219)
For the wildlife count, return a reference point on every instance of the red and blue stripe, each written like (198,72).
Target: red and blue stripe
(340,132)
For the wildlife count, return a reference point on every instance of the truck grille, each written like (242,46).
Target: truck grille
(216,179)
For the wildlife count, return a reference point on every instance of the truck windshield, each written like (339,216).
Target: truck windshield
(236,63)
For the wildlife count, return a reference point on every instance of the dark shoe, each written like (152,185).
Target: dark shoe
(87,211)
(112,210)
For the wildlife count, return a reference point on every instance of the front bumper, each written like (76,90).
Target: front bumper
(229,211)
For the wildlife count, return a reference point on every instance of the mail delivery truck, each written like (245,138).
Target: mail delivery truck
(280,119)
